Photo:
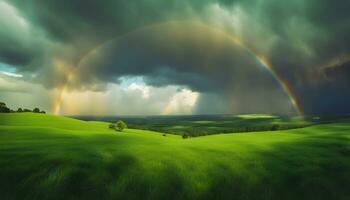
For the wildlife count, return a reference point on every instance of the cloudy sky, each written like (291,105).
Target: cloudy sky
(82,57)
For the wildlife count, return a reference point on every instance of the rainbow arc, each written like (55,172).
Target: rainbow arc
(235,40)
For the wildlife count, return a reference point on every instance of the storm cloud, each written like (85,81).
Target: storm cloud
(211,47)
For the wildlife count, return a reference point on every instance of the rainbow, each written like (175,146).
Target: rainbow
(56,107)
(283,83)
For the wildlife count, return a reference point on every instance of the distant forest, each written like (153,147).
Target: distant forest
(5,109)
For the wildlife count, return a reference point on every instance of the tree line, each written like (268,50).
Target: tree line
(203,131)
(5,109)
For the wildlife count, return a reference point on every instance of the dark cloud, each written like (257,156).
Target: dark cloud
(101,41)
(330,93)
(66,20)
(193,55)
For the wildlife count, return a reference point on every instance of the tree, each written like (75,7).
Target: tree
(19,110)
(120,125)
(36,110)
(4,108)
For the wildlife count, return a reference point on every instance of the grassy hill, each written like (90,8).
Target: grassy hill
(51,157)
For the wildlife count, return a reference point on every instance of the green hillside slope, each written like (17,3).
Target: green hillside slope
(50,157)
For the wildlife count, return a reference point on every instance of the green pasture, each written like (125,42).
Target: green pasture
(51,157)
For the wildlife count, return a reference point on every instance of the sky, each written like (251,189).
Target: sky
(176,57)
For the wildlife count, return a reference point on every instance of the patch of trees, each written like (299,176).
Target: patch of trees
(118,126)
(196,132)
(5,109)
(203,131)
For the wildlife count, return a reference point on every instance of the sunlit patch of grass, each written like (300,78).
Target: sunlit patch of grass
(256,116)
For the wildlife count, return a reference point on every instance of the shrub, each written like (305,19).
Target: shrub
(185,136)
(120,125)
(19,110)
(36,110)
(112,126)
(275,127)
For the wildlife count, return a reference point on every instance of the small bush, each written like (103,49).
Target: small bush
(164,134)
(275,127)
(112,126)
(185,136)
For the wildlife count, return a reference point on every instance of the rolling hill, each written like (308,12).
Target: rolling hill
(52,157)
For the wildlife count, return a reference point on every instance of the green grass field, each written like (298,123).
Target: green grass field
(51,157)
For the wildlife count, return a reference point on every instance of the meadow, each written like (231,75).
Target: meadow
(52,157)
